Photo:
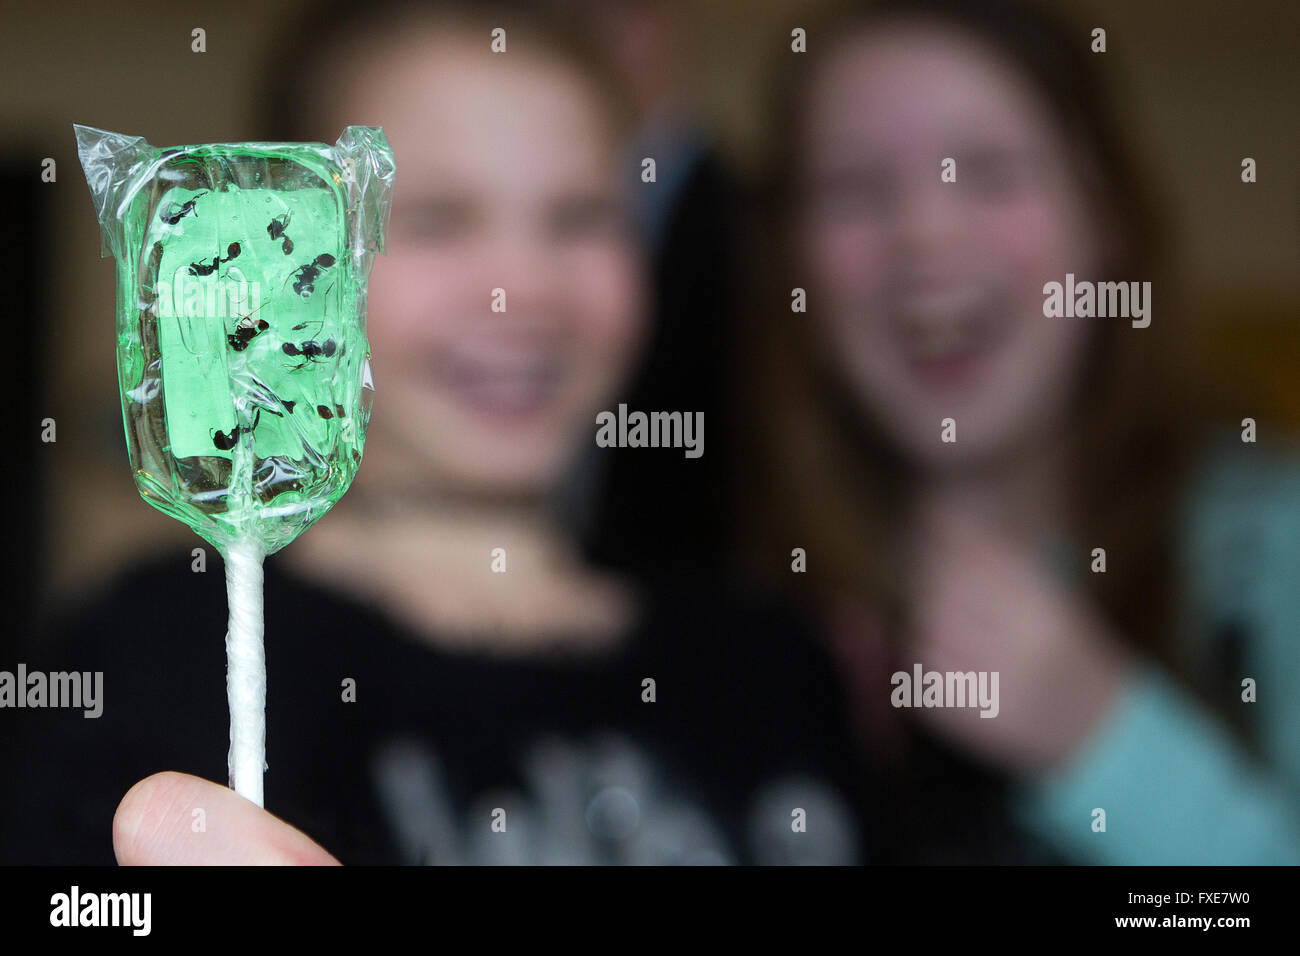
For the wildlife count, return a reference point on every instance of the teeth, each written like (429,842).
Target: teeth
(941,324)
(938,350)
(943,303)
(934,338)
(512,392)
(504,383)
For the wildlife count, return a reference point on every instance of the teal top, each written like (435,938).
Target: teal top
(1175,785)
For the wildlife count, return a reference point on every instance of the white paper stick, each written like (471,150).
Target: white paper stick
(246,669)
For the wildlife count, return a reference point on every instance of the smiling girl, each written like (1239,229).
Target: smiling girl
(982,488)
(451,681)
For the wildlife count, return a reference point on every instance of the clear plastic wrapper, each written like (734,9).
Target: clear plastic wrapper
(242,355)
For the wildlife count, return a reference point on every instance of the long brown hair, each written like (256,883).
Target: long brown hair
(819,476)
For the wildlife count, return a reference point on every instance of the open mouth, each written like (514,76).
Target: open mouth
(502,384)
(948,337)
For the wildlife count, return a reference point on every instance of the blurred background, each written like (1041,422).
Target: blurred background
(1203,83)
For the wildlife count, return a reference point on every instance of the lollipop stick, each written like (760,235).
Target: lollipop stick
(246,669)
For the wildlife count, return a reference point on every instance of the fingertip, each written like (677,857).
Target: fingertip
(142,814)
(174,819)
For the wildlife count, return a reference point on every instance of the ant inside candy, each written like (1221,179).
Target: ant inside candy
(311,349)
(201,268)
(154,267)
(225,442)
(246,330)
(283,403)
(276,230)
(324,411)
(172,214)
(305,276)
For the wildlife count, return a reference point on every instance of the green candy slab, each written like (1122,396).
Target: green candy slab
(242,357)
(241,337)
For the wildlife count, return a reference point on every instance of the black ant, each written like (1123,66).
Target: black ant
(226,442)
(172,214)
(201,268)
(305,276)
(246,330)
(276,229)
(152,270)
(311,350)
(285,403)
(324,412)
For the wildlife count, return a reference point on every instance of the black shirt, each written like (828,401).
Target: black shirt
(386,749)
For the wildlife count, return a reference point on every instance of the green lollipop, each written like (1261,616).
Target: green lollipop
(242,356)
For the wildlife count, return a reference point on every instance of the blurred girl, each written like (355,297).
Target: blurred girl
(951,458)
(450,681)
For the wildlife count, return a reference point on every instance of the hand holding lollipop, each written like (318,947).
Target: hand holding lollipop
(242,356)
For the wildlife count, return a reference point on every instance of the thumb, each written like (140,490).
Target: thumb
(156,824)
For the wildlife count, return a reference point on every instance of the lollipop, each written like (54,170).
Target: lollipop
(242,357)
